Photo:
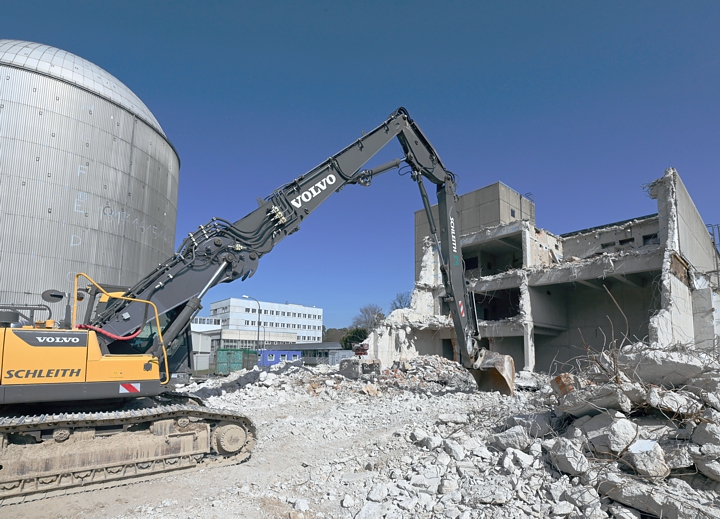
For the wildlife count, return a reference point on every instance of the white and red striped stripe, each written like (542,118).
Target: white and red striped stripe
(130,388)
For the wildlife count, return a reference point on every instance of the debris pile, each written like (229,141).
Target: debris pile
(633,433)
(618,438)
(431,374)
(641,426)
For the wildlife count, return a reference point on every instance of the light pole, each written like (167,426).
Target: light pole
(258,327)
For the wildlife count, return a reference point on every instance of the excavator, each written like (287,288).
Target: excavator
(88,401)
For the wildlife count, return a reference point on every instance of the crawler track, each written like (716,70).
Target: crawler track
(43,455)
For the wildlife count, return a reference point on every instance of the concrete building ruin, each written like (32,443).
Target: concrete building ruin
(545,298)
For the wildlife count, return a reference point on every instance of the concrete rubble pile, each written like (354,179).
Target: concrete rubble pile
(641,426)
(618,438)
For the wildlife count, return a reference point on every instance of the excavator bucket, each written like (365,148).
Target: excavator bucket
(495,372)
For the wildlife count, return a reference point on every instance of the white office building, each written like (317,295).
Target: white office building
(236,323)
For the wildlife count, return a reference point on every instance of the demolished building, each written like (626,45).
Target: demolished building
(546,299)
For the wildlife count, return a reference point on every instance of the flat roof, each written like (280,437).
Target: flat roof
(614,224)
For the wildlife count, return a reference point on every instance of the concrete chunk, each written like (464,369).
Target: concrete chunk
(677,455)
(648,459)
(453,418)
(431,442)
(621,434)
(418,435)
(520,458)
(378,493)
(370,510)
(594,400)
(709,467)
(676,402)
(568,457)
(582,497)
(707,433)
(493,491)
(515,437)
(454,449)
(651,499)
(597,429)
(536,425)
(562,509)
(662,368)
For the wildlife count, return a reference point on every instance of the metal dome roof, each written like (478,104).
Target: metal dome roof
(70,68)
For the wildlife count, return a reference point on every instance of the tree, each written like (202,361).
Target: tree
(402,300)
(334,334)
(369,317)
(353,336)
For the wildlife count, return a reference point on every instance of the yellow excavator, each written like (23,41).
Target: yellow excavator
(87,401)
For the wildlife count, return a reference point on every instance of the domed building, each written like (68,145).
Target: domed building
(88,178)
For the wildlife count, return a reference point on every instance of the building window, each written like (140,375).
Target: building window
(283,357)
(247,323)
(651,239)
(271,356)
(512,213)
(295,356)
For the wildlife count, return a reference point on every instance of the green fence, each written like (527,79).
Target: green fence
(229,360)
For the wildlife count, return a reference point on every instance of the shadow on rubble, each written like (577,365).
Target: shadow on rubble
(249,378)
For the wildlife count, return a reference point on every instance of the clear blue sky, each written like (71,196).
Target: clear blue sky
(579,103)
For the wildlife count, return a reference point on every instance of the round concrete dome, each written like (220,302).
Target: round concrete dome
(89,180)
(68,67)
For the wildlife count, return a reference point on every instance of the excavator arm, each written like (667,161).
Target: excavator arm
(221,251)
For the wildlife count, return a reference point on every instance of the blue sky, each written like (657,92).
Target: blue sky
(579,103)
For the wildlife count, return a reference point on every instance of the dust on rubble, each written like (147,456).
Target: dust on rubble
(418,441)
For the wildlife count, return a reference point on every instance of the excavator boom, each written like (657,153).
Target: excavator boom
(221,252)
(131,340)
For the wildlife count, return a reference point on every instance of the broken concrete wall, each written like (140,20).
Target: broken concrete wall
(696,244)
(429,286)
(392,341)
(513,335)
(629,235)
(706,313)
(541,248)
(548,292)
(496,249)
(493,205)
(674,324)
(420,329)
